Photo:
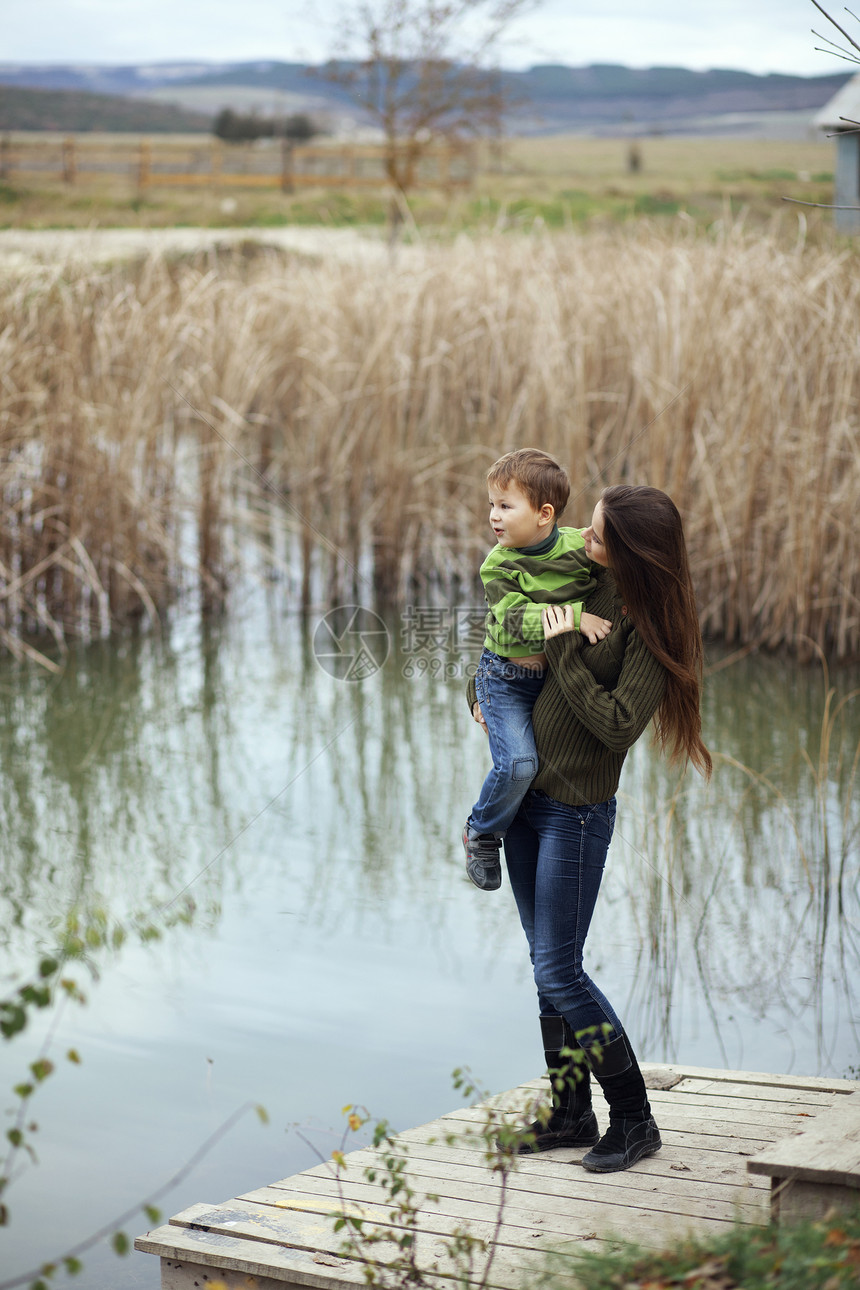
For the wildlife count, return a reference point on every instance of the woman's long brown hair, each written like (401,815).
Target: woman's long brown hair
(647,553)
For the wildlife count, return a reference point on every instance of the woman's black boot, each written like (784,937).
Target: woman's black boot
(632,1132)
(572,1123)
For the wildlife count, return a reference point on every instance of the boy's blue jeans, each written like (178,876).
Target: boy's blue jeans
(555,856)
(507,694)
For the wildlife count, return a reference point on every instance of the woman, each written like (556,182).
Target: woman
(596,702)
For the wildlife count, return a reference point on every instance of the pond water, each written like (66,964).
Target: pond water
(336,953)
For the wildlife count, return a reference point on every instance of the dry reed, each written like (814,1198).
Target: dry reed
(146,414)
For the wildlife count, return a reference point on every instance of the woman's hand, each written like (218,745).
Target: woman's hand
(479,716)
(596,629)
(557,619)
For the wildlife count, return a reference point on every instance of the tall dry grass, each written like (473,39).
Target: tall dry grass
(148,416)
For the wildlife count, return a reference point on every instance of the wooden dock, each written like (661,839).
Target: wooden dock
(719,1164)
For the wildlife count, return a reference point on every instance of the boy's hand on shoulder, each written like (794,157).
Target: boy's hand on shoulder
(596,629)
(557,619)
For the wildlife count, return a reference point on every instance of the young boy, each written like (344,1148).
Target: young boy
(535,563)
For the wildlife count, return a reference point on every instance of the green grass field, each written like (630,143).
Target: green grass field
(562,181)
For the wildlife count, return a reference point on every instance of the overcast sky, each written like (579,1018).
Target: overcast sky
(758,35)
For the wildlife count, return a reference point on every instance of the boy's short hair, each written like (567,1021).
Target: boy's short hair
(537,473)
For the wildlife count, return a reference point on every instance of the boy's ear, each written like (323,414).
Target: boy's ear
(547,513)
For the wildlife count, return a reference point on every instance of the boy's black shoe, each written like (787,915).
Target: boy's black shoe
(483,861)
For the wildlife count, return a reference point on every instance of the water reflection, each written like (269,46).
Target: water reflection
(162,766)
(750,888)
(315,823)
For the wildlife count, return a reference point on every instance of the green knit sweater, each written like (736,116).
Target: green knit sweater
(596,702)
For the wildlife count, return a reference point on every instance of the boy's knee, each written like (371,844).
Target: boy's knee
(523,768)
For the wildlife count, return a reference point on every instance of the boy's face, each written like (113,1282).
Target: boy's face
(514,519)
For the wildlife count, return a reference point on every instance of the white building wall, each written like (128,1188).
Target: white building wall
(847,187)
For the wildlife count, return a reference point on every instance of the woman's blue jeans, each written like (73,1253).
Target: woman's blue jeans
(507,693)
(555,857)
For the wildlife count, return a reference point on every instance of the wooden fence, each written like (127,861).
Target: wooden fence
(208,163)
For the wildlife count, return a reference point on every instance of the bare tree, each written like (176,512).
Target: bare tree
(840,51)
(425,72)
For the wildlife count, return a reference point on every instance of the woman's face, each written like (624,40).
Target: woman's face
(593,535)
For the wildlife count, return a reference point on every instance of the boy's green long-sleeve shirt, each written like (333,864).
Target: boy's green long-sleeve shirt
(518,585)
(596,702)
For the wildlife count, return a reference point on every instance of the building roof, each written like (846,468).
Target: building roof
(845,103)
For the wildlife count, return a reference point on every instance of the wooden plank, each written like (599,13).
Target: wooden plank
(734,1106)
(691,1165)
(744,1097)
(674,1130)
(701,1118)
(302,1228)
(679,1181)
(714,1076)
(467,1203)
(676,1149)
(308,1232)
(525,1224)
(817,1083)
(189,1248)
(256,1222)
(656,1183)
(196,1276)
(180,1245)
(805,1097)
(725,1107)
(556,1218)
(512,1240)
(794,1202)
(828,1151)
(567,1203)
(710,1092)
(636,1189)
(533,1191)
(719,1120)
(738,1113)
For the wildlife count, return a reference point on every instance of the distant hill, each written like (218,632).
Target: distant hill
(552,97)
(129,79)
(613,80)
(570,97)
(79,111)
